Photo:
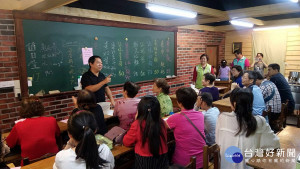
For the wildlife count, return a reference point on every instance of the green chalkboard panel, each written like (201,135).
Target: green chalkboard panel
(54,61)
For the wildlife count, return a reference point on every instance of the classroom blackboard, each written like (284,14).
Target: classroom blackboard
(54,61)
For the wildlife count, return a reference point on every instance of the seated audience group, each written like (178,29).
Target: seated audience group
(147,120)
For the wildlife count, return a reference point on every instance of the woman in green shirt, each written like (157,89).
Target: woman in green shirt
(161,88)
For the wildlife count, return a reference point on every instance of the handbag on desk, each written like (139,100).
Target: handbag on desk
(116,134)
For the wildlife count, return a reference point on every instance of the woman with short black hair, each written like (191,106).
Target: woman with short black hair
(237,73)
(86,101)
(200,70)
(188,127)
(126,108)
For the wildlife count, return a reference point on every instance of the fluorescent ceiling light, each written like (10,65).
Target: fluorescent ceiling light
(276,27)
(242,23)
(171,11)
(294,1)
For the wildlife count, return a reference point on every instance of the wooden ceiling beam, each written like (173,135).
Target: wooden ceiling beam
(47,5)
(265,10)
(124,18)
(212,20)
(10,4)
(252,20)
(105,16)
(17,4)
(176,22)
(230,28)
(259,11)
(182,21)
(281,22)
(198,27)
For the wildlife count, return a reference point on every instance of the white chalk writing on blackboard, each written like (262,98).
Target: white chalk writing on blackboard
(120,54)
(69,44)
(155,49)
(127,54)
(31,47)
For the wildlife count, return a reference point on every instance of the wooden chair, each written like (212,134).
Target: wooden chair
(214,152)
(266,113)
(297,114)
(125,161)
(280,123)
(283,113)
(171,145)
(26,161)
(192,164)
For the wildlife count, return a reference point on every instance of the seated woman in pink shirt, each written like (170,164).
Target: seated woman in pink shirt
(126,108)
(189,142)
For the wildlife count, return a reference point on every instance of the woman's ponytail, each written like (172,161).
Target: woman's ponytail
(82,127)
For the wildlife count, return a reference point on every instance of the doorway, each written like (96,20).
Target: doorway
(212,51)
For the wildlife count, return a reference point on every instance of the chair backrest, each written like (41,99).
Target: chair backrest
(211,151)
(266,113)
(283,113)
(191,164)
(171,146)
(26,161)
(279,124)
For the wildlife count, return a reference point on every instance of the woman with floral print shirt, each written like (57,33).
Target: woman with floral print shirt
(162,89)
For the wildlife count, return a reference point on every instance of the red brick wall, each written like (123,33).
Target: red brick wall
(191,44)
(9,105)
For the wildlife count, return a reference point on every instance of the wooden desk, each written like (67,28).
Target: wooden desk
(4,135)
(63,126)
(222,89)
(174,100)
(44,164)
(11,165)
(106,116)
(289,139)
(16,156)
(224,83)
(47,163)
(119,150)
(290,136)
(223,105)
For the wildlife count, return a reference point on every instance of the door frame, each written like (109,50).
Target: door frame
(218,55)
